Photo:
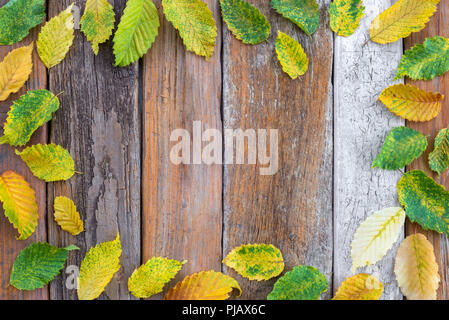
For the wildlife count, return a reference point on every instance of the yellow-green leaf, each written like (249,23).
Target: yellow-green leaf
(439,157)
(150,278)
(19,203)
(256,261)
(291,55)
(56,38)
(67,216)
(195,22)
(48,162)
(15,70)
(401,19)
(345,16)
(98,267)
(360,287)
(97,22)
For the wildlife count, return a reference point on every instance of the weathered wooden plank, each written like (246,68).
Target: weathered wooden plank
(9,161)
(291,209)
(182,204)
(361,125)
(99,123)
(438,25)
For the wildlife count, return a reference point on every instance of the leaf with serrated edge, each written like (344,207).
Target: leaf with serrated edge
(291,55)
(416,269)
(15,70)
(424,201)
(26,115)
(195,23)
(360,287)
(401,147)
(205,285)
(401,19)
(97,22)
(304,13)
(375,236)
(48,162)
(19,203)
(345,16)
(56,38)
(37,265)
(302,283)
(256,261)
(439,157)
(150,278)
(98,267)
(67,216)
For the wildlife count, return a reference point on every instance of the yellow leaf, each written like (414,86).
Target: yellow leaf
(416,269)
(67,217)
(19,203)
(291,55)
(206,285)
(360,287)
(401,19)
(56,38)
(15,70)
(411,103)
(97,268)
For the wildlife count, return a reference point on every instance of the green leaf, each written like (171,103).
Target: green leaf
(304,13)
(345,16)
(246,22)
(48,162)
(136,32)
(27,114)
(291,55)
(18,17)
(401,147)
(302,283)
(97,22)
(195,23)
(424,201)
(256,261)
(439,157)
(425,61)
(37,265)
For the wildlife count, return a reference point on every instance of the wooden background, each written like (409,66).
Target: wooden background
(116,122)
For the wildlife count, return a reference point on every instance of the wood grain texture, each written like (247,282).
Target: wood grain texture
(293,208)
(361,125)
(99,123)
(10,247)
(182,204)
(438,25)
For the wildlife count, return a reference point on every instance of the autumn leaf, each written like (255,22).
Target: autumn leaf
(26,115)
(97,269)
(97,22)
(256,261)
(360,287)
(48,162)
(401,19)
(205,285)
(37,265)
(401,147)
(136,31)
(411,103)
(56,38)
(15,70)
(304,13)
(345,16)
(439,157)
(67,216)
(195,22)
(291,55)
(245,21)
(150,278)
(18,17)
(375,236)
(19,203)
(302,283)
(416,269)
(425,61)
(425,201)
